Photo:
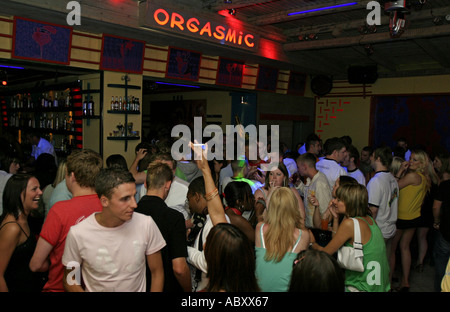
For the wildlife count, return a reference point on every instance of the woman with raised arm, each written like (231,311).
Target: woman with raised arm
(414,180)
(352,201)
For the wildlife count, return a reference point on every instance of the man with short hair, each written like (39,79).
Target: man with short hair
(383,193)
(111,247)
(176,199)
(316,185)
(350,163)
(364,163)
(82,168)
(335,151)
(177,276)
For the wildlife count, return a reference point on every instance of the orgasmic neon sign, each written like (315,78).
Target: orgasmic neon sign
(222,33)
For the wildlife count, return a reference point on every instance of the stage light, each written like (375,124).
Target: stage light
(232,12)
(4,78)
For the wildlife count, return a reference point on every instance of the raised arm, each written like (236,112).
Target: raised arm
(215,208)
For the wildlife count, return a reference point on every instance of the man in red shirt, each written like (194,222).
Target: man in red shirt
(82,168)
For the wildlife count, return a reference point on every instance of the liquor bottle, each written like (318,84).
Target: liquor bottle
(120,103)
(55,100)
(124,103)
(116,103)
(68,100)
(65,122)
(85,103)
(112,103)
(56,123)
(91,107)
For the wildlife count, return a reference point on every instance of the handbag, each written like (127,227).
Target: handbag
(351,258)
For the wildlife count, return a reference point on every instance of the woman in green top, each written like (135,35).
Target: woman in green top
(352,202)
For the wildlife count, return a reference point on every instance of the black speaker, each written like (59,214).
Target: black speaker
(362,74)
(321,85)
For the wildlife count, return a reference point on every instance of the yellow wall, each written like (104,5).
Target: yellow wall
(91,127)
(110,121)
(355,102)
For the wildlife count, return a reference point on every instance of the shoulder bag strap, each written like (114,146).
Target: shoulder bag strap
(357,244)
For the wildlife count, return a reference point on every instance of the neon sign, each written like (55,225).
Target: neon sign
(219,32)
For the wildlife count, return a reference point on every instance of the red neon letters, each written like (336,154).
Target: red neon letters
(220,32)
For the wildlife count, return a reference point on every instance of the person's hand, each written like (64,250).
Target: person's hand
(332,209)
(200,155)
(141,153)
(403,168)
(313,200)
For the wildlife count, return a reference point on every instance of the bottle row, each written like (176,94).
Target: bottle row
(129,103)
(88,106)
(44,100)
(52,121)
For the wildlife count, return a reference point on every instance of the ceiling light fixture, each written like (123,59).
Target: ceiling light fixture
(4,78)
(323,8)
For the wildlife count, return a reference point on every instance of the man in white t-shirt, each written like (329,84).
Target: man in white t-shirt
(335,151)
(383,194)
(350,162)
(316,185)
(111,247)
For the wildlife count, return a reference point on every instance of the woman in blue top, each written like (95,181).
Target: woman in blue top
(278,240)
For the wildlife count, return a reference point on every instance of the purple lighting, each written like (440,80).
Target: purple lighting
(8,66)
(323,8)
(176,84)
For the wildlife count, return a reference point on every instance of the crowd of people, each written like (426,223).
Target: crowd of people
(88,223)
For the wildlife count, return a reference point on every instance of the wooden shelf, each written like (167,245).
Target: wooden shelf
(110,111)
(123,138)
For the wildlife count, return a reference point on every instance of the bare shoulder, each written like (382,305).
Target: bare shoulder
(10,231)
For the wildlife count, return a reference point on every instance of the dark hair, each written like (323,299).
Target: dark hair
(158,173)
(12,194)
(116,161)
(353,153)
(231,260)
(385,154)
(6,159)
(316,271)
(109,178)
(238,191)
(347,180)
(308,159)
(368,149)
(196,186)
(283,169)
(333,144)
(310,139)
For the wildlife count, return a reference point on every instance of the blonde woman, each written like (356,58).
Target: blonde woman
(414,180)
(396,165)
(278,240)
(48,190)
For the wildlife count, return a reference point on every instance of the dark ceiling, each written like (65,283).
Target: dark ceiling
(341,37)
(321,41)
